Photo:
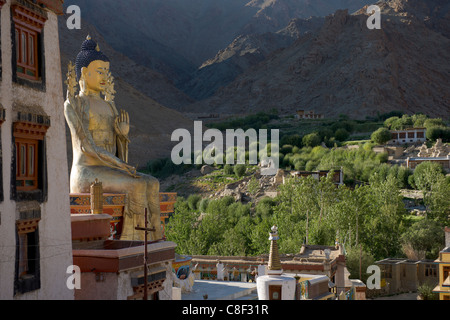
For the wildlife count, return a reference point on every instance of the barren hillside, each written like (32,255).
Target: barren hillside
(347,68)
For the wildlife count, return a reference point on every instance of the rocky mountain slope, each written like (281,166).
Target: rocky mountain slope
(152,123)
(346,68)
(175,37)
(244,52)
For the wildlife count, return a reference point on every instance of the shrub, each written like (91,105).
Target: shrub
(382,157)
(193,201)
(425,291)
(203,205)
(253,186)
(239,170)
(341,134)
(228,169)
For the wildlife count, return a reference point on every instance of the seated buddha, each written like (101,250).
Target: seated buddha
(100,143)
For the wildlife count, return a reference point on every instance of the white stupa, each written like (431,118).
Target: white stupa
(275,285)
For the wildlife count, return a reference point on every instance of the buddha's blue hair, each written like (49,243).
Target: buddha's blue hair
(88,54)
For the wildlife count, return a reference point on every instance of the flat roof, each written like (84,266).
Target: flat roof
(430,159)
(219,290)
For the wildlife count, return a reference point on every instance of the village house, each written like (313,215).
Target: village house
(338,175)
(408,136)
(404,275)
(412,163)
(302,114)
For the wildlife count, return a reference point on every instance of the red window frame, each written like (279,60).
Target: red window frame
(27,164)
(27,52)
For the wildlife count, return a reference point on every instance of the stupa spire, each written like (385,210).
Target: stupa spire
(274,257)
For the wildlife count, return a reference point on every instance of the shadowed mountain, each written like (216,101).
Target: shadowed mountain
(346,68)
(244,52)
(175,37)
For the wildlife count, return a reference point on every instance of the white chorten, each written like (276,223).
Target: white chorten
(275,285)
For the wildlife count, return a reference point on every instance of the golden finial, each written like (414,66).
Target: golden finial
(97,48)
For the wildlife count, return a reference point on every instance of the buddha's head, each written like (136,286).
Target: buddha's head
(92,67)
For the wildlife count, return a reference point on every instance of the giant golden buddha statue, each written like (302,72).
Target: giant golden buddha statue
(100,142)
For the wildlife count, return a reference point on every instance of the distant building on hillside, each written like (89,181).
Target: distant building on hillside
(338,177)
(408,136)
(302,114)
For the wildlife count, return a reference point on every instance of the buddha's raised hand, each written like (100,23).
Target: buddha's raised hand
(123,123)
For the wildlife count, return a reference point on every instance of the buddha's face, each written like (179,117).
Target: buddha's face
(95,76)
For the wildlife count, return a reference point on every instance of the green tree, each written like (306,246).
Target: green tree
(293,140)
(291,215)
(341,134)
(438,132)
(311,140)
(180,227)
(437,200)
(265,208)
(426,173)
(436,122)
(390,122)
(381,136)
(383,219)
(260,235)
(357,261)
(423,240)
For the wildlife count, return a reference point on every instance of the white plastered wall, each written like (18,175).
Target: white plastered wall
(54,227)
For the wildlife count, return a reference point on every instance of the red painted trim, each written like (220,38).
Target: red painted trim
(55,5)
(28,18)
